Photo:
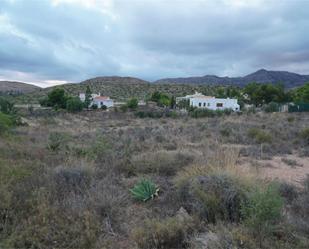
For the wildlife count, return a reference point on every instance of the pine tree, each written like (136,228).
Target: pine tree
(88,98)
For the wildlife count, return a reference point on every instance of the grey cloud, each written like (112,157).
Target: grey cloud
(151,39)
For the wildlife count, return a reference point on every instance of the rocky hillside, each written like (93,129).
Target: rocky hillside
(16,88)
(290,80)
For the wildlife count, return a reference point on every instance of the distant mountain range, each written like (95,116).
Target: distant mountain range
(124,87)
(15,88)
(289,80)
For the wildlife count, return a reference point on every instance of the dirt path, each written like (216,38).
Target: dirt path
(289,168)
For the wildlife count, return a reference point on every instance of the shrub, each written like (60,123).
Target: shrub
(169,233)
(68,180)
(288,192)
(291,119)
(94,106)
(144,190)
(6,106)
(5,123)
(259,135)
(161,162)
(132,103)
(213,197)
(104,107)
(300,209)
(74,105)
(56,141)
(271,107)
(262,211)
(304,134)
(123,108)
(200,113)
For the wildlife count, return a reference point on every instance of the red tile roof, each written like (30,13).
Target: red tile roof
(102,98)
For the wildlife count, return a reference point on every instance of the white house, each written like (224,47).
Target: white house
(97,99)
(201,101)
(102,101)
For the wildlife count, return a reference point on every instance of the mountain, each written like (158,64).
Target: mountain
(118,88)
(289,80)
(16,88)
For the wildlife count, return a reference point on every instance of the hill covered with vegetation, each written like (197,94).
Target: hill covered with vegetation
(16,88)
(119,88)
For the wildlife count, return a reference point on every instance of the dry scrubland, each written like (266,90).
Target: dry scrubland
(65,180)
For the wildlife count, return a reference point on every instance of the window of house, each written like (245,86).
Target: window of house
(219,104)
(208,104)
(204,104)
(199,104)
(101,103)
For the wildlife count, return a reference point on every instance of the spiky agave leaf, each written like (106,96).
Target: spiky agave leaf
(144,190)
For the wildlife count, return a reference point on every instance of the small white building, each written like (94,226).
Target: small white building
(201,101)
(97,99)
(102,101)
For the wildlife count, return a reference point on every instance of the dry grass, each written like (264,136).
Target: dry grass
(76,196)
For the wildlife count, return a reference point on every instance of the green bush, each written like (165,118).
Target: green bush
(6,106)
(132,103)
(271,107)
(5,122)
(172,232)
(204,112)
(56,141)
(262,211)
(103,107)
(57,98)
(259,135)
(74,105)
(213,197)
(144,190)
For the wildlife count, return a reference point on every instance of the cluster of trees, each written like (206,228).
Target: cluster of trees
(163,99)
(301,94)
(58,99)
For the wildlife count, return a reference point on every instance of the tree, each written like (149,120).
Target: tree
(74,105)
(161,99)
(6,106)
(57,98)
(88,97)
(132,103)
(173,102)
(260,94)
(301,94)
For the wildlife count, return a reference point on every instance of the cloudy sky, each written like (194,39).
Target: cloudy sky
(56,41)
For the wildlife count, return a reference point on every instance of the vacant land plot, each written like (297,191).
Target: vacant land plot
(65,180)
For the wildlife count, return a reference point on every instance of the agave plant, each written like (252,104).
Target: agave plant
(144,190)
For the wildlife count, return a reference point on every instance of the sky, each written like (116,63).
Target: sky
(49,42)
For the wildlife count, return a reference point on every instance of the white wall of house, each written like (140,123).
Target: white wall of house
(100,102)
(213,103)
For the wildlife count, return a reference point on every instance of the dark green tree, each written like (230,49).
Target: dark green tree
(57,98)
(74,105)
(173,102)
(132,103)
(301,94)
(6,106)
(88,98)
